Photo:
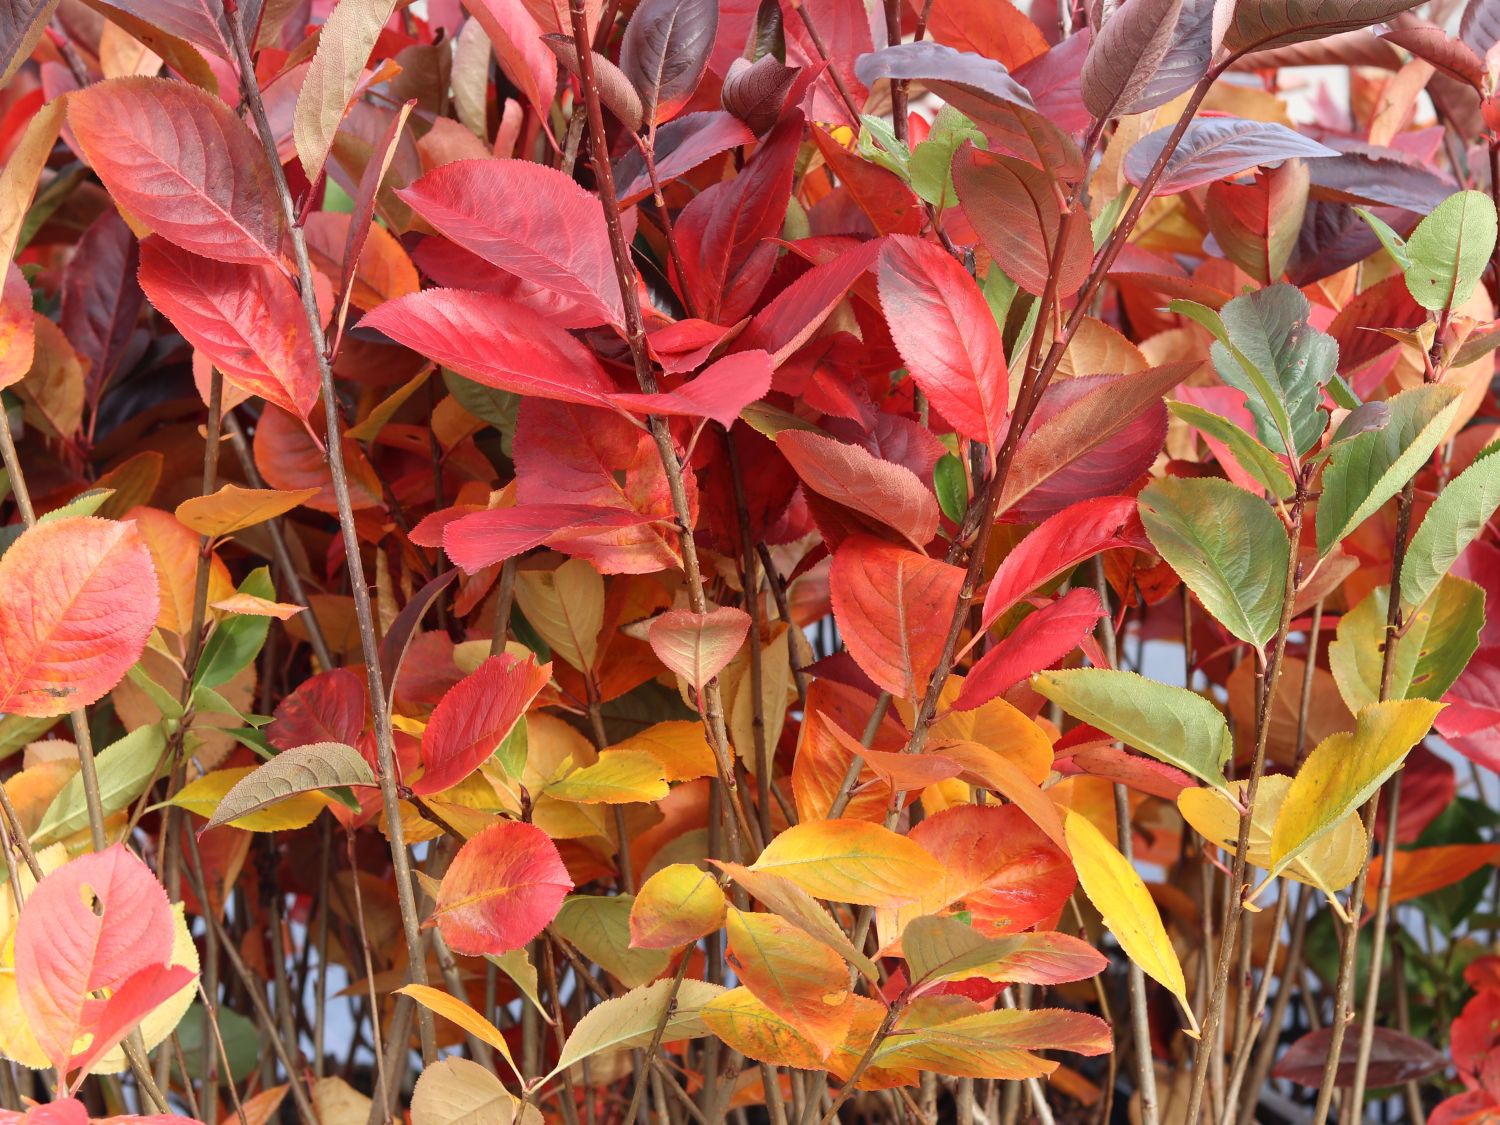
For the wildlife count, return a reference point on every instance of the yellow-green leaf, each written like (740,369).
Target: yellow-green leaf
(677,905)
(852,861)
(1344,771)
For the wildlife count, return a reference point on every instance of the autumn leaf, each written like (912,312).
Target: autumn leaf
(502,888)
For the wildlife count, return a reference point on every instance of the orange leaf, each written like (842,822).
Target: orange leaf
(1420,871)
(697,646)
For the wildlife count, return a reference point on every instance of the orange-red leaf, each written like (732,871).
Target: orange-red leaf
(80,600)
(474,717)
(502,888)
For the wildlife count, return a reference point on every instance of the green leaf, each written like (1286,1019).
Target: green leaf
(498,408)
(879,144)
(1171,724)
(631,1020)
(236,641)
(1394,244)
(1228,546)
(1344,771)
(1280,362)
(1366,470)
(1438,640)
(1253,457)
(1450,249)
(598,926)
(124,767)
(305,769)
(931,165)
(1454,521)
(951,486)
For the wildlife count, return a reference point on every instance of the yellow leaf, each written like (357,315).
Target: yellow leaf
(1344,771)
(619,777)
(1329,865)
(233,508)
(852,861)
(677,905)
(566,607)
(454,1010)
(679,745)
(249,605)
(203,795)
(1120,895)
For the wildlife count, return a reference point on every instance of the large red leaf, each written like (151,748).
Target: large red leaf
(883,491)
(1091,436)
(473,718)
(1003,868)
(723,231)
(329,707)
(1076,533)
(481,539)
(791,318)
(100,922)
(1014,208)
(244,317)
(720,392)
(80,598)
(528,219)
(947,337)
(503,887)
(101,300)
(570,454)
(893,608)
(494,341)
(181,162)
(1039,641)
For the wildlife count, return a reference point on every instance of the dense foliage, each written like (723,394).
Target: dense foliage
(682,561)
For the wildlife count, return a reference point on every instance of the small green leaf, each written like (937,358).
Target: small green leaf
(124,769)
(952,487)
(1366,470)
(1228,546)
(1395,245)
(236,641)
(1454,521)
(1450,249)
(1172,724)
(931,164)
(1253,457)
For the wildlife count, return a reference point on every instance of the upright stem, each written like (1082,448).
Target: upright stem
(1140,1018)
(737,824)
(1348,953)
(369,645)
(1233,902)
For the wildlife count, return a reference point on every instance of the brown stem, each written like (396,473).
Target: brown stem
(1233,904)
(369,645)
(737,824)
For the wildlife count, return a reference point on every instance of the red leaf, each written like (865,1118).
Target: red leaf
(724,230)
(893,607)
(720,393)
(1076,533)
(697,646)
(569,454)
(1092,435)
(101,301)
(80,597)
(99,922)
(528,219)
(481,539)
(523,56)
(244,317)
(1395,1059)
(947,337)
(1015,211)
(179,160)
(494,341)
(887,493)
(504,886)
(790,320)
(1039,641)
(329,707)
(1010,876)
(473,718)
